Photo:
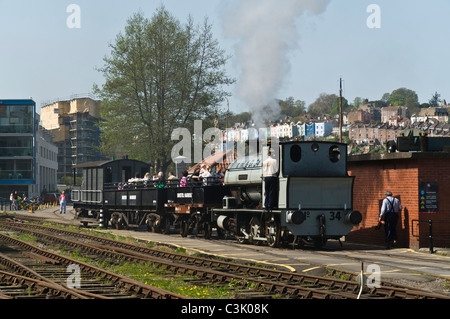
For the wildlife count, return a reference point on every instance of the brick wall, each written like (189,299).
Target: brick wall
(400,173)
(436,170)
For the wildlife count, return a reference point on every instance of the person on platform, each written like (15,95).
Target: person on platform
(270,170)
(62,203)
(389,217)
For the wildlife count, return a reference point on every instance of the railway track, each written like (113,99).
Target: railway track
(32,272)
(264,282)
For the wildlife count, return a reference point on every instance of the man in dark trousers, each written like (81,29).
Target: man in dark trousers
(389,216)
(270,170)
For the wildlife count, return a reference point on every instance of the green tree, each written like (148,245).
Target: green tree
(400,96)
(291,107)
(322,105)
(357,102)
(335,109)
(435,100)
(160,75)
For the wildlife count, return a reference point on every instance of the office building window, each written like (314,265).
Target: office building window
(16,119)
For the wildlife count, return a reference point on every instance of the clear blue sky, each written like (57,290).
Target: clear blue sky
(40,57)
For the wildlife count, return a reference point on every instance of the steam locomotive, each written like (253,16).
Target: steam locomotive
(314,198)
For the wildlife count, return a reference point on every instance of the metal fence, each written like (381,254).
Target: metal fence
(5,204)
(431,231)
(69,98)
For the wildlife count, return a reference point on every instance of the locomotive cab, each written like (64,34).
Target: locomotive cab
(100,189)
(316,199)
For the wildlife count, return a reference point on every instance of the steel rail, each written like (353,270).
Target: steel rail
(138,288)
(42,287)
(36,279)
(292,279)
(387,290)
(210,275)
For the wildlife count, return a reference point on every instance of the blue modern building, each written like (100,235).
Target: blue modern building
(310,130)
(17,146)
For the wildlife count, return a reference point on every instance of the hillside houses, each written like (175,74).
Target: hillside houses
(242,132)
(373,133)
(394,120)
(438,113)
(368,125)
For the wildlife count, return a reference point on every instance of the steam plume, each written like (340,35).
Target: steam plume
(265,32)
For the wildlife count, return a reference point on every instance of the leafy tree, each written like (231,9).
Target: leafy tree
(398,97)
(385,97)
(357,102)
(435,101)
(160,75)
(322,105)
(68,180)
(291,107)
(335,108)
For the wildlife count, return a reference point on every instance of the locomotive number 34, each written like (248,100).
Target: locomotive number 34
(333,215)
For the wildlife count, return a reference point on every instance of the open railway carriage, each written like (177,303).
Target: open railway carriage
(106,197)
(314,196)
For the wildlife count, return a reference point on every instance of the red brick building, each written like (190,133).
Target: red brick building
(405,174)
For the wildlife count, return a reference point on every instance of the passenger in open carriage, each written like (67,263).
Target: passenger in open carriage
(195,177)
(184,179)
(217,175)
(160,181)
(172,180)
(205,175)
(135,179)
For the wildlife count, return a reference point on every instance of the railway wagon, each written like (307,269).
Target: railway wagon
(107,197)
(100,181)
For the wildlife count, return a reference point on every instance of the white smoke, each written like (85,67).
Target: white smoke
(265,31)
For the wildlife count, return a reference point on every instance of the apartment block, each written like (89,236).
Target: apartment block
(17,146)
(73,123)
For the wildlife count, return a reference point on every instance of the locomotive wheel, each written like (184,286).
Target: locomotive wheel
(255,230)
(154,223)
(184,228)
(273,232)
(119,221)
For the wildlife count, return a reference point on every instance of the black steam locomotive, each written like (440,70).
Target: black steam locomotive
(314,198)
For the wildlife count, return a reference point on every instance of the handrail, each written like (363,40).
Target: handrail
(431,236)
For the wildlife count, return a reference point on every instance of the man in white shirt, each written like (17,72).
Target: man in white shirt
(389,216)
(270,170)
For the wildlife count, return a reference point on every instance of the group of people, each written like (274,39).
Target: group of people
(201,176)
(15,198)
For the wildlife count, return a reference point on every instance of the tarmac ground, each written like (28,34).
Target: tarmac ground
(400,265)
